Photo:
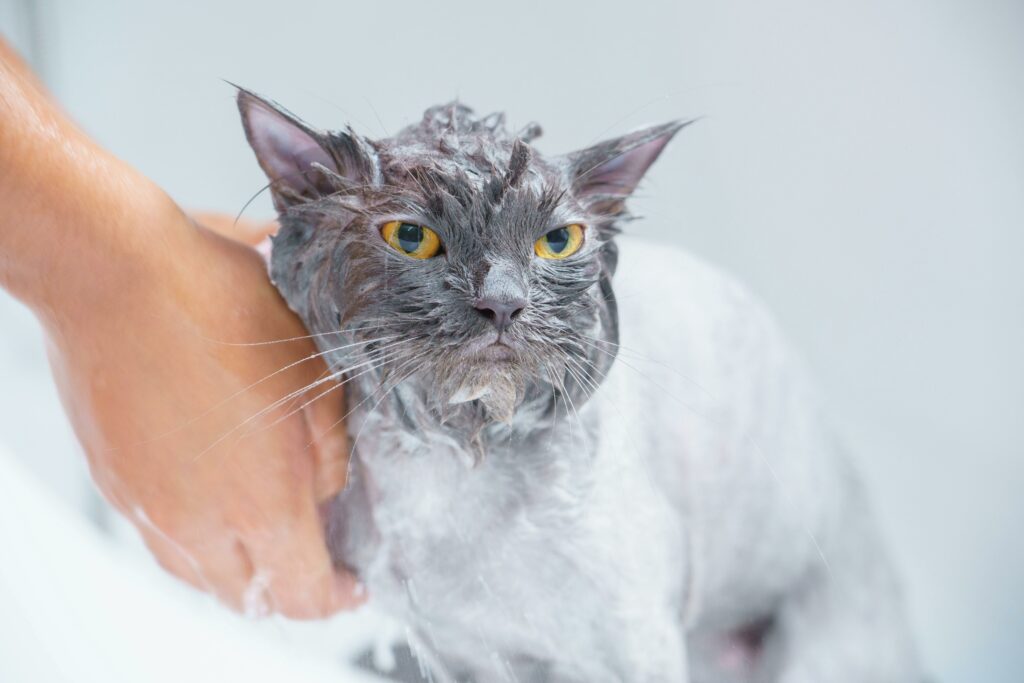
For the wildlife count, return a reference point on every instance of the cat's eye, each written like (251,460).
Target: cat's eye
(416,241)
(560,242)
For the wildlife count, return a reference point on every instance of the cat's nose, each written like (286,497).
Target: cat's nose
(501,312)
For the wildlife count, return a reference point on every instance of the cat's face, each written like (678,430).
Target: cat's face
(452,255)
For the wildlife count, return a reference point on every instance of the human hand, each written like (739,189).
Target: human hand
(156,330)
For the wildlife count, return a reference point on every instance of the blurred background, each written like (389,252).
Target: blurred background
(859,165)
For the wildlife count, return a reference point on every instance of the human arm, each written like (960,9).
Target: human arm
(149,320)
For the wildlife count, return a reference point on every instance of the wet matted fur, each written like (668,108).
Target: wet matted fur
(530,500)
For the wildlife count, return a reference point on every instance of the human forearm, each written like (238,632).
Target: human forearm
(66,205)
(177,362)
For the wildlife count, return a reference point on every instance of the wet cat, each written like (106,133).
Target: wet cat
(551,482)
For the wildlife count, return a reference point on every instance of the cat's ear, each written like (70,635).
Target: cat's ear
(604,175)
(301,162)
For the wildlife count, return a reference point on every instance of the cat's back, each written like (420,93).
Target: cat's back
(693,363)
(668,297)
(694,342)
(708,394)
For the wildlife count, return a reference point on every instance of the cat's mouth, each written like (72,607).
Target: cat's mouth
(489,370)
(492,348)
(497,352)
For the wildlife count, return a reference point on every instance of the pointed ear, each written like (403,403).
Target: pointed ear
(604,175)
(301,162)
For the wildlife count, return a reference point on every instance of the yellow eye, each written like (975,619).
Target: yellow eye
(560,242)
(417,241)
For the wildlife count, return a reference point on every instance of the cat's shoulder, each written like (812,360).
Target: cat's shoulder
(670,285)
(696,317)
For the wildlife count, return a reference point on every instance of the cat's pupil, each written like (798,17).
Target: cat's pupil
(558,240)
(409,236)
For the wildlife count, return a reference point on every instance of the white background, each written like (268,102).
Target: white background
(859,165)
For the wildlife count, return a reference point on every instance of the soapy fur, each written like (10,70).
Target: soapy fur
(640,489)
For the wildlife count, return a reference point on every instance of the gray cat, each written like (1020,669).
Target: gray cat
(537,498)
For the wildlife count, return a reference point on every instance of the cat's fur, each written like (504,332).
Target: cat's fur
(680,513)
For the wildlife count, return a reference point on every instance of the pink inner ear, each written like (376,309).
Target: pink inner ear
(621,174)
(285,151)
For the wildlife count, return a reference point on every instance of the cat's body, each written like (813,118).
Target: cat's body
(681,513)
(703,495)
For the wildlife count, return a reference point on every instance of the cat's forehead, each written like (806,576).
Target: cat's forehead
(451,157)
(456,120)
(451,137)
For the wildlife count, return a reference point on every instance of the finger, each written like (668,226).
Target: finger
(228,570)
(223,570)
(244,230)
(301,581)
(328,443)
(174,559)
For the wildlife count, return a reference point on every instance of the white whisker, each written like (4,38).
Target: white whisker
(290,396)
(241,391)
(291,339)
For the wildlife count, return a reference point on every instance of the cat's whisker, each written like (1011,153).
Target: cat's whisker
(380,400)
(650,379)
(250,387)
(641,357)
(572,405)
(380,359)
(558,384)
(289,397)
(591,385)
(248,202)
(575,375)
(554,396)
(414,359)
(342,331)
(263,411)
(578,360)
(702,414)
(587,384)
(381,362)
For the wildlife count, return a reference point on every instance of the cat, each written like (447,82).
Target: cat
(538,499)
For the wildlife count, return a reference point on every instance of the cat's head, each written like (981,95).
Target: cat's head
(452,255)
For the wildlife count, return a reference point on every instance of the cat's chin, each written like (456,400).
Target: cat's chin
(498,386)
